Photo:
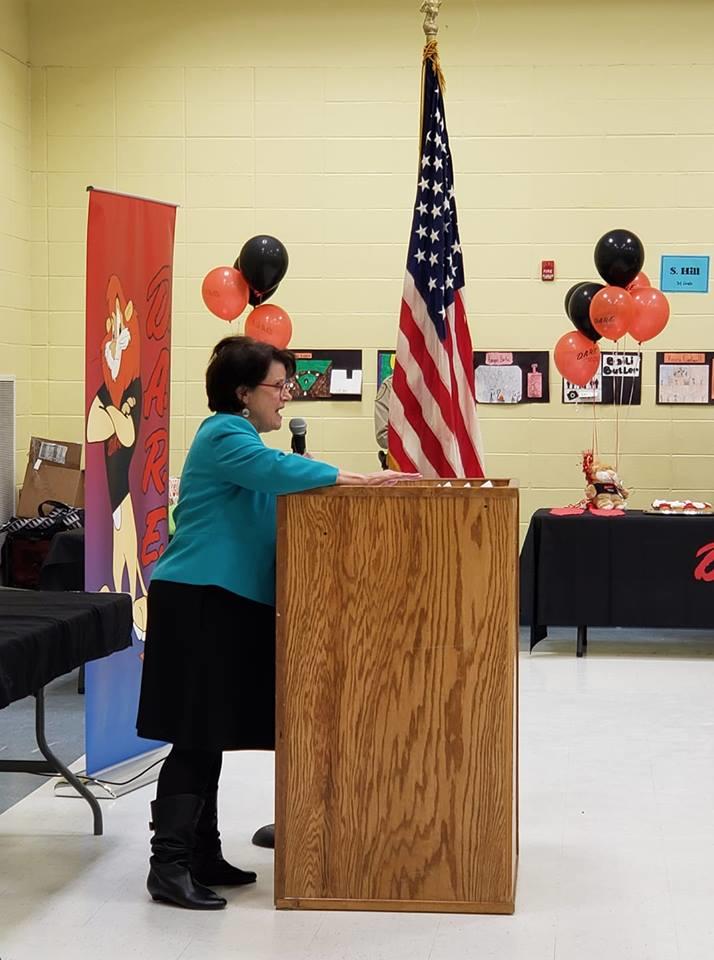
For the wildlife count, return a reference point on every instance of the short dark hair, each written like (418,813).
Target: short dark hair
(240,362)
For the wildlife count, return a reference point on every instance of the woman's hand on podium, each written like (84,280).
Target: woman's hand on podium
(379,478)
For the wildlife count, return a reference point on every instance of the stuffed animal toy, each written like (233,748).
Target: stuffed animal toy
(604,490)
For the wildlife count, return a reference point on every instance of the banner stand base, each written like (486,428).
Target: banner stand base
(114,782)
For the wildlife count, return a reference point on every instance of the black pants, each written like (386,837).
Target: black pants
(189,771)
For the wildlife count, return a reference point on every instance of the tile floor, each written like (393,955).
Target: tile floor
(617,834)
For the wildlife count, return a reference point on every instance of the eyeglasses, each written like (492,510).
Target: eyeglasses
(282,386)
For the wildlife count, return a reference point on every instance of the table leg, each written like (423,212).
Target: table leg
(582,643)
(59,766)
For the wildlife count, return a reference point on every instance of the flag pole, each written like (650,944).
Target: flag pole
(433,425)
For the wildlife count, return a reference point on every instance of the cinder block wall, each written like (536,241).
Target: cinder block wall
(301,120)
(17,331)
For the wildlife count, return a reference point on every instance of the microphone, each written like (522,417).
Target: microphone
(298,428)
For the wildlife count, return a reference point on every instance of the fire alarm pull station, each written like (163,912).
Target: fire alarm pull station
(547,269)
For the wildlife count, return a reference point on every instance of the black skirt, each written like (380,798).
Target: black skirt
(209,669)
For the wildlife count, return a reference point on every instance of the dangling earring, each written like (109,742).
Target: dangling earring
(245,412)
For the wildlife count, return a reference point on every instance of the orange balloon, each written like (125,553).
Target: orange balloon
(225,292)
(611,311)
(641,280)
(651,313)
(576,357)
(271,324)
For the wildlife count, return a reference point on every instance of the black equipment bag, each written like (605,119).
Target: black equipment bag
(27,542)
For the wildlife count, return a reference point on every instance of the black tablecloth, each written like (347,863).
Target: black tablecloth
(63,568)
(639,570)
(46,634)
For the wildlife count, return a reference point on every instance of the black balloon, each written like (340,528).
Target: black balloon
(579,308)
(255,299)
(569,294)
(263,261)
(619,256)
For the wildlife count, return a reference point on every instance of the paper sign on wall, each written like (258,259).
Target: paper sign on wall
(618,380)
(684,274)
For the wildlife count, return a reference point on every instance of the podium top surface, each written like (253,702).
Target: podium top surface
(423,488)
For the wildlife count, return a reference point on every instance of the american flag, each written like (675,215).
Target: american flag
(433,428)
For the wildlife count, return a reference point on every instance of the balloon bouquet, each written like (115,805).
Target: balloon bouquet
(625,304)
(253,279)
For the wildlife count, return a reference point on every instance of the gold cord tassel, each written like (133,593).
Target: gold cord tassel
(431,55)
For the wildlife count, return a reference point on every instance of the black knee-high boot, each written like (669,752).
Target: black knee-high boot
(174,821)
(207,865)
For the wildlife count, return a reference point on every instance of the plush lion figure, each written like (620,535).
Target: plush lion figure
(604,490)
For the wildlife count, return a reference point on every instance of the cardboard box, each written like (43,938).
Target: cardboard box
(54,472)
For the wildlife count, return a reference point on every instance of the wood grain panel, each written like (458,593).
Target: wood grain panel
(397,644)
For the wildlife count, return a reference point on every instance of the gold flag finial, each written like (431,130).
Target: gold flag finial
(430,9)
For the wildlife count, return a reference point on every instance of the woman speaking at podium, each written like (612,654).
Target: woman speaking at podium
(208,680)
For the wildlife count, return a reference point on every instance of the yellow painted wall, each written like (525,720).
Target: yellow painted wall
(15,317)
(300,119)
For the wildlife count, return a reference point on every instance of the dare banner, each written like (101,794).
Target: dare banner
(130,245)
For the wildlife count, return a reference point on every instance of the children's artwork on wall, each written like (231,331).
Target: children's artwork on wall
(685,377)
(328,375)
(591,392)
(501,376)
(618,380)
(385,365)
(511,376)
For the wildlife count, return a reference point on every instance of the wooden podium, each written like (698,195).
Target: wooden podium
(397,657)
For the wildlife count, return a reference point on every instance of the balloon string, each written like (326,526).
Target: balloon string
(638,351)
(633,381)
(630,398)
(595,439)
(617,411)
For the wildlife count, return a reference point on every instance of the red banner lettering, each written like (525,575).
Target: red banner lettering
(156,463)
(157,391)
(158,296)
(152,543)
